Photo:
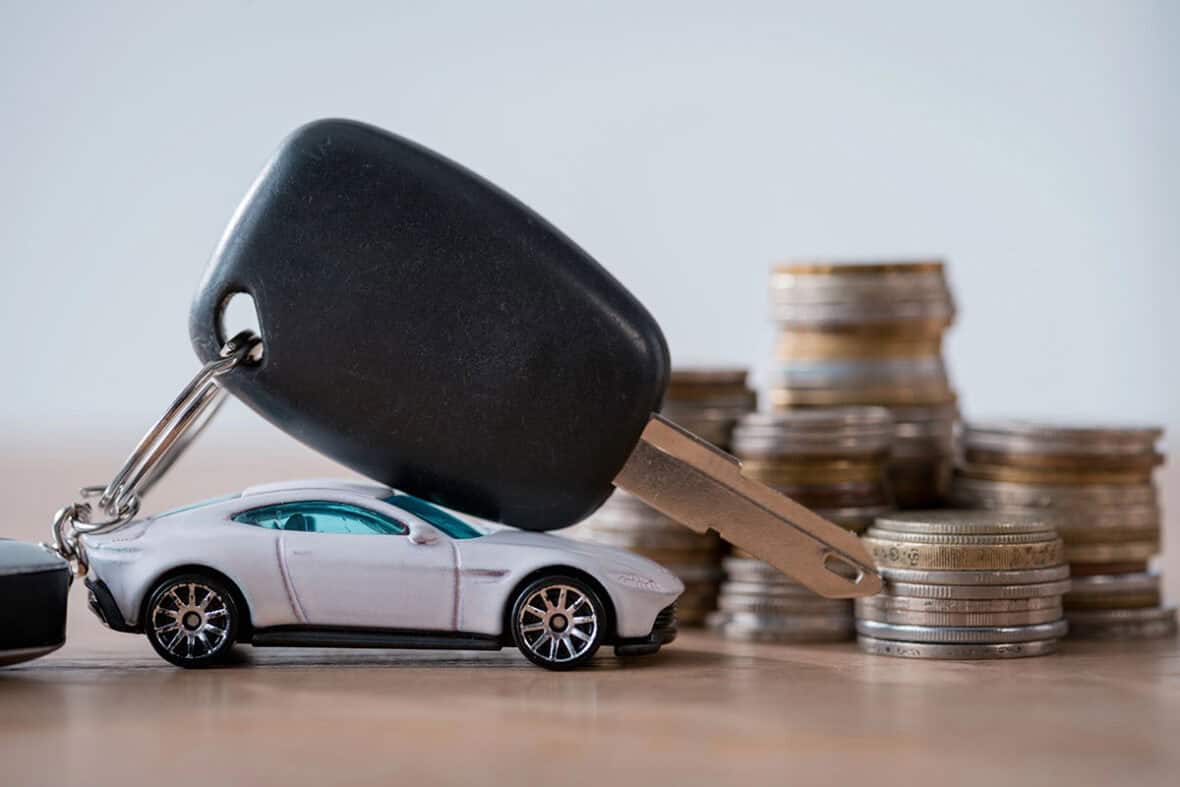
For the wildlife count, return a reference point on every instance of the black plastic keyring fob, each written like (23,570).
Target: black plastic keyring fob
(426,329)
(34,584)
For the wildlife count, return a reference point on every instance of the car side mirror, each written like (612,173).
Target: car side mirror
(422,537)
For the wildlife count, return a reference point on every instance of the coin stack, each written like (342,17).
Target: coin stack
(964,585)
(1095,483)
(871,334)
(707,402)
(831,460)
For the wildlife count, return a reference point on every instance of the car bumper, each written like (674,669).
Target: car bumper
(102,604)
(662,632)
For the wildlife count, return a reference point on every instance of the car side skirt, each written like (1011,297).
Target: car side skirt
(351,637)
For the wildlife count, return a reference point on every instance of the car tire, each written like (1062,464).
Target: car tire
(192,620)
(558,622)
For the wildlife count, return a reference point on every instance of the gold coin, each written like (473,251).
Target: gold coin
(827,345)
(1099,569)
(959,605)
(824,471)
(888,553)
(1029,475)
(1112,553)
(786,398)
(1063,462)
(834,268)
(1112,601)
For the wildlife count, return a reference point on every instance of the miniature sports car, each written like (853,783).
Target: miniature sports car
(352,564)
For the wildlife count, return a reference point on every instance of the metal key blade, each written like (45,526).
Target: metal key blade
(702,487)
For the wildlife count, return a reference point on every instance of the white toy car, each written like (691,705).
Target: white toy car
(344,564)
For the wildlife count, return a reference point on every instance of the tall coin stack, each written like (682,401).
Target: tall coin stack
(964,585)
(871,334)
(831,460)
(1096,486)
(707,402)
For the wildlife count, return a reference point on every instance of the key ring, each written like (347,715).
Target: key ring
(118,501)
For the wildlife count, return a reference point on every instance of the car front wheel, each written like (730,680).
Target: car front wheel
(192,620)
(558,622)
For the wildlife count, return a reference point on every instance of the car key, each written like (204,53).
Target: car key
(424,328)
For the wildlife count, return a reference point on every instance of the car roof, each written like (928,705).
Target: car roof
(366,488)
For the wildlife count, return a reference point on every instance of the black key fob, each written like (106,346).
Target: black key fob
(426,329)
(34,584)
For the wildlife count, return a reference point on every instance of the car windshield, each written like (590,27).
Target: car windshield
(452,525)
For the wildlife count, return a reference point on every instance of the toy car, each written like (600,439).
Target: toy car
(351,564)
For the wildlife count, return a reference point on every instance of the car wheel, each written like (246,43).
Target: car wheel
(558,622)
(192,620)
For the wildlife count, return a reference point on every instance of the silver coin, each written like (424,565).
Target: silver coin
(963,540)
(857,372)
(927,650)
(911,604)
(961,634)
(1013,577)
(757,628)
(959,522)
(1096,617)
(1042,438)
(1113,584)
(767,590)
(785,606)
(973,491)
(958,619)
(1036,590)
(1160,628)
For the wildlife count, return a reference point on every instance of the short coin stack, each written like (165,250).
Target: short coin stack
(1095,484)
(871,334)
(707,402)
(964,585)
(831,460)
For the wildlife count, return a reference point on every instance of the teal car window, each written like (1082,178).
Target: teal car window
(321,516)
(452,525)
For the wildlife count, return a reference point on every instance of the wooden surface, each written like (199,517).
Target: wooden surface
(106,710)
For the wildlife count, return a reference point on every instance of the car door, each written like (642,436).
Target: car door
(351,566)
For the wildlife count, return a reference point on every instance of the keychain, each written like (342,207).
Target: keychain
(427,330)
(37,577)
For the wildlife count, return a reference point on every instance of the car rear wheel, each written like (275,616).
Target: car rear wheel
(192,620)
(558,622)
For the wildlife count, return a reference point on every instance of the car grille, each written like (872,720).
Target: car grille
(666,619)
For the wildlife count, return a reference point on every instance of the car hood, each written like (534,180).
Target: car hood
(617,558)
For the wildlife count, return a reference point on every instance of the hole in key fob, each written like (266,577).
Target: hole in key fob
(427,330)
(34,584)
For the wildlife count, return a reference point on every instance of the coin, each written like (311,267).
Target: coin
(1018,577)
(919,604)
(958,619)
(777,628)
(731,602)
(1061,439)
(926,650)
(1104,584)
(964,540)
(1001,557)
(961,634)
(978,591)
(962,522)
(972,492)
(1112,553)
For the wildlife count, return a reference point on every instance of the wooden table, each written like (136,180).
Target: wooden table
(106,710)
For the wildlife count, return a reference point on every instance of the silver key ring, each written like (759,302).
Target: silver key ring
(118,501)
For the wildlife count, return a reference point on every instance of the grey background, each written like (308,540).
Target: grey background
(687,146)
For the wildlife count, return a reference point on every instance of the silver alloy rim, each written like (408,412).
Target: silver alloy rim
(558,623)
(191,620)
